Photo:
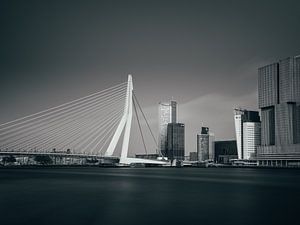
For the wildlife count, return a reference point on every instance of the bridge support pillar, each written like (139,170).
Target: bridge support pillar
(124,123)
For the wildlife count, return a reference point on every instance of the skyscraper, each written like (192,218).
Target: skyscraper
(251,139)
(167,113)
(279,101)
(247,126)
(205,145)
(175,140)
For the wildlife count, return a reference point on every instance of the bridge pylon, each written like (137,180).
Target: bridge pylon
(125,123)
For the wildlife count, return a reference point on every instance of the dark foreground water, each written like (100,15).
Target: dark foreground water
(149,196)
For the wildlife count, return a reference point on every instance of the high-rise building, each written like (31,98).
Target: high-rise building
(251,139)
(205,145)
(249,135)
(279,101)
(175,141)
(167,113)
(238,124)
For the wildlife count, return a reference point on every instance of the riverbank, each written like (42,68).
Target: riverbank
(115,166)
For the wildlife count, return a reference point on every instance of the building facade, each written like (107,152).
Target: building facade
(175,141)
(193,156)
(167,113)
(225,151)
(205,145)
(279,102)
(244,136)
(211,147)
(238,124)
(251,139)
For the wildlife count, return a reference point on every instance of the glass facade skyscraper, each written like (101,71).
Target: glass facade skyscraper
(175,141)
(167,113)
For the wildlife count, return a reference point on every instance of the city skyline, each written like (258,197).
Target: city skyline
(61,52)
(149,112)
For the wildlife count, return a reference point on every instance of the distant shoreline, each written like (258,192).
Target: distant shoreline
(120,167)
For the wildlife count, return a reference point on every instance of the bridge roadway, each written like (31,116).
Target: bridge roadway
(58,154)
(112,159)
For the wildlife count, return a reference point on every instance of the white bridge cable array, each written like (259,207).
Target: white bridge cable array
(66,137)
(61,112)
(76,137)
(69,121)
(136,103)
(63,105)
(102,128)
(45,125)
(84,125)
(97,139)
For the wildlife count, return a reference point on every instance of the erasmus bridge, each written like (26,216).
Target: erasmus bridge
(93,126)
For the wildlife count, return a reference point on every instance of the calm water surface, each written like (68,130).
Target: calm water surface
(149,196)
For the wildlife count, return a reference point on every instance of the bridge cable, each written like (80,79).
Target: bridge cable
(50,116)
(63,133)
(60,105)
(106,135)
(156,144)
(40,126)
(53,139)
(75,133)
(47,123)
(95,138)
(78,135)
(141,132)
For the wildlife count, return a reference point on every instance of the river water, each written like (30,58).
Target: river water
(149,196)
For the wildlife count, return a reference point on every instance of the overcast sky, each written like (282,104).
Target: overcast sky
(204,54)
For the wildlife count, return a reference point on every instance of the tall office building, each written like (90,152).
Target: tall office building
(251,139)
(175,141)
(167,113)
(238,124)
(279,101)
(245,136)
(205,145)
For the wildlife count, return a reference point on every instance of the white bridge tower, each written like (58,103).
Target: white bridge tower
(125,122)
